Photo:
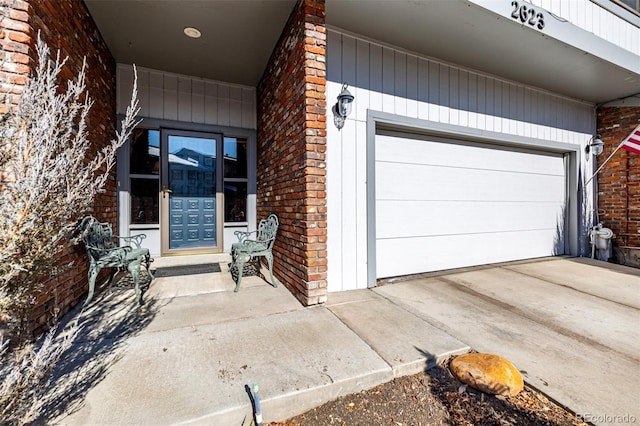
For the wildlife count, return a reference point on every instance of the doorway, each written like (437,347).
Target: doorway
(187,190)
(191,192)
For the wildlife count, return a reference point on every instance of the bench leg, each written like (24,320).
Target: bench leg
(134,268)
(93,274)
(270,260)
(148,262)
(240,265)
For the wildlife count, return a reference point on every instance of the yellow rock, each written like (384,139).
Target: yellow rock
(487,373)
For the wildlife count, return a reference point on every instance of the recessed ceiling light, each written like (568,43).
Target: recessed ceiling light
(192,32)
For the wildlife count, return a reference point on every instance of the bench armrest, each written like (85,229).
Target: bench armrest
(135,240)
(102,252)
(242,235)
(250,246)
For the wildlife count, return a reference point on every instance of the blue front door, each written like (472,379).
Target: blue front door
(190,191)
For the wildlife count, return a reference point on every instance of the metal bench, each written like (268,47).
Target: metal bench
(247,249)
(104,252)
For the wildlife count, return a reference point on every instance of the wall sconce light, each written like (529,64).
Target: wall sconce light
(595,146)
(342,108)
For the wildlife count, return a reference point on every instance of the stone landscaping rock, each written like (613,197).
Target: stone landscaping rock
(487,373)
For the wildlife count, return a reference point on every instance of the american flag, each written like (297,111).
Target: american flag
(632,142)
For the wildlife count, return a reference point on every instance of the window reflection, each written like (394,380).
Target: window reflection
(235,158)
(192,166)
(145,152)
(235,180)
(144,201)
(235,202)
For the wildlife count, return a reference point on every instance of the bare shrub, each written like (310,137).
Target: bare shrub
(24,373)
(51,178)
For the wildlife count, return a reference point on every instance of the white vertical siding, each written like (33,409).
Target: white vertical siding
(334,158)
(170,96)
(210,102)
(595,19)
(154,92)
(390,80)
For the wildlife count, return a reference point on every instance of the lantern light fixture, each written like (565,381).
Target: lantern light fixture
(595,146)
(342,108)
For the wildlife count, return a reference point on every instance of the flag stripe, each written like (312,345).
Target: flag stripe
(632,142)
(633,147)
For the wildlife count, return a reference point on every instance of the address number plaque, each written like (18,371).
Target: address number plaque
(527,14)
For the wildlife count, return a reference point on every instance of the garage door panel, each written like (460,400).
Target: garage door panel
(420,182)
(442,205)
(420,151)
(396,257)
(402,219)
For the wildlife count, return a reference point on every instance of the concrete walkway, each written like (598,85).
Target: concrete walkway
(187,356)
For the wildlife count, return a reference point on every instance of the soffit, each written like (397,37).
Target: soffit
(467,34)
(237,36)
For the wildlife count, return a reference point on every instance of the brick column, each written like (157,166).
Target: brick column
(64,25)
(619,180)
(291,151)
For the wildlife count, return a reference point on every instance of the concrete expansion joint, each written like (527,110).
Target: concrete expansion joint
(584,292)
(349,302)
(431,321)
(195,327)
(536,276)
(358,336)
(535,318)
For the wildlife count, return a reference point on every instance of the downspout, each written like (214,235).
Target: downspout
(595,217)
(594,188)
(626,211)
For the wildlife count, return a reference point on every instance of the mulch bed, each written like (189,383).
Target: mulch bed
(435,398)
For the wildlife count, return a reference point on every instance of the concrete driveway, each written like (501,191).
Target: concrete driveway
(571,325)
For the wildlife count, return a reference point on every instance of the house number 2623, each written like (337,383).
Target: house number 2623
(527,14)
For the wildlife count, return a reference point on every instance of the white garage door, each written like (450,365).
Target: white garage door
(443,205)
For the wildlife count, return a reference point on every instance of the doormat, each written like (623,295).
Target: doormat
(173,271)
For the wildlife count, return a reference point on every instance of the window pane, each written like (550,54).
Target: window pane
(192,166)
(632,4)
(235,158)
(235,202)
(145,152)
(144,201)
(192,204)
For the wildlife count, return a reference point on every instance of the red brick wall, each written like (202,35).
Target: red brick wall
(16,34)
(619,180)
(64,25)
(291,151)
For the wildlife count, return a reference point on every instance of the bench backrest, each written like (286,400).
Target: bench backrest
(96,235)
(267,229)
